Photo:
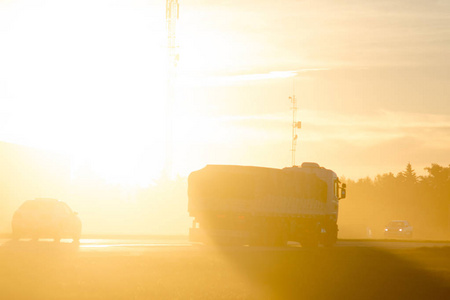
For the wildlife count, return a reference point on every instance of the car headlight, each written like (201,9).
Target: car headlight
(400,229)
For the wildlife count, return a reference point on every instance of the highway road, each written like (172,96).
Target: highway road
(172,268)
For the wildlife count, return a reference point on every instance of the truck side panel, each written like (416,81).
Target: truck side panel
(261,191)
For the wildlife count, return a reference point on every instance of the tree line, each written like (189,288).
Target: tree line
(422,200)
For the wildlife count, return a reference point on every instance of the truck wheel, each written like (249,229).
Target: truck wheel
(330,236)
(279,238)
(280,241)
(256,241)
(330,239)
(310,243)
(258,234)
(311,236)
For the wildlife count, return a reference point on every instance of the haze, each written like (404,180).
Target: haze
(86,79)
(85,88)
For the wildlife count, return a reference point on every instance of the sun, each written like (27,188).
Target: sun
(97,92)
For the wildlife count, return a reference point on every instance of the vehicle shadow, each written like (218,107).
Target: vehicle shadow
(335,273)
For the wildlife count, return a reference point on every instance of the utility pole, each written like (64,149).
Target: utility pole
(295,125)
(172,15)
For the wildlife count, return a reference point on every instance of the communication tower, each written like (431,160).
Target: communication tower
(172,15)
(295,125)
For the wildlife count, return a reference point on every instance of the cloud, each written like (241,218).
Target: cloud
(190,80)
(354,145)
(362,129)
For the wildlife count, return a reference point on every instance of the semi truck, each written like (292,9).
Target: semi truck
(259,206)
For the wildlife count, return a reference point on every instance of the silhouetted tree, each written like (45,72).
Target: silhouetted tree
(438,176)
(409,175)
(422,200)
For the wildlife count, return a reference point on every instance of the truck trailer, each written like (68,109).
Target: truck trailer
(258,206)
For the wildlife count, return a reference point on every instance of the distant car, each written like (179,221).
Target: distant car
(46,218)
(398,229)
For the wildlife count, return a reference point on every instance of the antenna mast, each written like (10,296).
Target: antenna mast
(295,125)
(172,15)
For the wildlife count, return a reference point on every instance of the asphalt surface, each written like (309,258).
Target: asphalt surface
(173,268)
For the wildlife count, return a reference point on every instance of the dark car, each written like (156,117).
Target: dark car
(398,229)
(46,218)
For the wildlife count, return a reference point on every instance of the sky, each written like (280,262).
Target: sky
(87,79)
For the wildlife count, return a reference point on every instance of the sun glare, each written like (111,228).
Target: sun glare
(92,90)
